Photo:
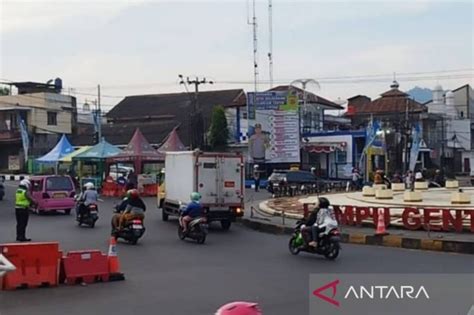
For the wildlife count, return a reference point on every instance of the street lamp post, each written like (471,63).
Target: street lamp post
(304,83)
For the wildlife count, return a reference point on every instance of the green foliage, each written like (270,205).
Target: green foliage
(4,91)
(218,132)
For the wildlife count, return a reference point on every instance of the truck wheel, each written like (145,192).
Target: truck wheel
(164,215)
(67,211)
(225,224)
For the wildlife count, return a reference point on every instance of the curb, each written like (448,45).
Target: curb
(376,240)
(265,208)
(11,177)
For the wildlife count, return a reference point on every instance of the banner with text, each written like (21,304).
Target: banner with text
(274,135)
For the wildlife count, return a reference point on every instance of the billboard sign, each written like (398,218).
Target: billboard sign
(274,128)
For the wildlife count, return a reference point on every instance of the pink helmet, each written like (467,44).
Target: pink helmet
(239,308)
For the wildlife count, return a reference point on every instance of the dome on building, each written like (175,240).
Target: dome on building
(449,98)
(394,84)
(438,88)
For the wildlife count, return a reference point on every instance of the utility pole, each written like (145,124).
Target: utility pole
(270,42)
(443,139)
(197,122)
(99,115)
(407,133)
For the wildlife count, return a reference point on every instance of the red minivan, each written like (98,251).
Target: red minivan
(52,193)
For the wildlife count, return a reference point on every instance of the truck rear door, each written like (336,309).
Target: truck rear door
(230,180)
(207,179)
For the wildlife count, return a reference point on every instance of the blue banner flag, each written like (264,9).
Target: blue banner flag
(415,145)
(370,135)
(24,138)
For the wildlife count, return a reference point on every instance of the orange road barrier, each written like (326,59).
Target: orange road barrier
(86,266)
(37,265)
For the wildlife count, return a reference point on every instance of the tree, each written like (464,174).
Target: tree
(218,132)
(4,91)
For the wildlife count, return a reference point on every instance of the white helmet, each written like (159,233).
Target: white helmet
(26,183)
(89,185)
(255,166)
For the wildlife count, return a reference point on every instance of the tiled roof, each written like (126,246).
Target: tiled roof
(173,105)
(392,101)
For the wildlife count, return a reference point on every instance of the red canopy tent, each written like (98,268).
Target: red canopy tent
(172,143)
(138,152)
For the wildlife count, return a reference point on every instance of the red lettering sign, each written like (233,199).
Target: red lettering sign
(411,219)
(470,213)
(428,218)
(229,184)
(449,221)
(362,213)
(347,215)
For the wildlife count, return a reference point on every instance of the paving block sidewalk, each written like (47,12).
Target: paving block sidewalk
(422,240)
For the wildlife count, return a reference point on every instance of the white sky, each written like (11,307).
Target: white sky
(139,47)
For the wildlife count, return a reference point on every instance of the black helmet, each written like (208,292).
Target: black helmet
(323,202)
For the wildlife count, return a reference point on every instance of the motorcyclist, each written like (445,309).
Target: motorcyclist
(324,220)
(192,211)
(123,203)
(239,308)
(310,221)
(88,197)
(135,209)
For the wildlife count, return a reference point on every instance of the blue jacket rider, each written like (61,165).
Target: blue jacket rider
(192,211)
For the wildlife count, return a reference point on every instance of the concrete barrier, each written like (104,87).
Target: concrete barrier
(398,186)
(421,185)
(383,194)
(452,184)
(368,191)
(460,198)
(379,186)
(412,196)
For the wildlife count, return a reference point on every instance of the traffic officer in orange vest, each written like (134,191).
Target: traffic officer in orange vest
(23,201)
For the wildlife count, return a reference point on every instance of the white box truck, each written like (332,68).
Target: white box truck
(218,177)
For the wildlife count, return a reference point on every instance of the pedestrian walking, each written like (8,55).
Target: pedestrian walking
(23,201)
(409,179)
(256,177)
(356,179)
(132,180)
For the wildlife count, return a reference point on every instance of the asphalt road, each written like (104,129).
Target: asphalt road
(171,277)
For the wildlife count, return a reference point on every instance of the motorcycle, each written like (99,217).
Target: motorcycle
(197,229)
(89,217)
(132,230)
(328,244)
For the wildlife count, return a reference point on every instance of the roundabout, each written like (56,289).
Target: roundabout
(436,211)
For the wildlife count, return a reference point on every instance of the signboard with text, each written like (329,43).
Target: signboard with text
(274,135)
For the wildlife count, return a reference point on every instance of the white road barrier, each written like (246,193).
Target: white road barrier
(5,265)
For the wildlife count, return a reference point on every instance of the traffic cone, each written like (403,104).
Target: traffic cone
(381,224)
(114,264)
